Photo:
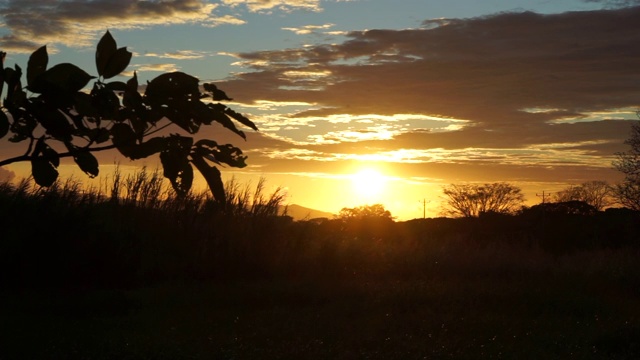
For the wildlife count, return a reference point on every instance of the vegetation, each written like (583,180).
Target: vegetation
(58,118)
(628,192)
(376,211)
(595,193)
(469,200)
(132,270)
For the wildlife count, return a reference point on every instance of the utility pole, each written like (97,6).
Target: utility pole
(424,208)
(543,196)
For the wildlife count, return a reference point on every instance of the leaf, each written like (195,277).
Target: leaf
(44,173)
(116,86)
(175,162)
(83,105)
(87,163)
(124,139)
(218,114)
(150,147)
(36,66)
(63,77)
(44,164)
(216,93)
(99,135)
(241,118)
(4,124)
(118,62)
(213,177)
(55,123)
(220,154)
(105,49)
(172,85)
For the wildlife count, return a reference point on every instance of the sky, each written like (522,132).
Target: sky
(359,102)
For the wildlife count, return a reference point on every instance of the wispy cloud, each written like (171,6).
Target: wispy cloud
(308,29)
(179,55)
(285,5)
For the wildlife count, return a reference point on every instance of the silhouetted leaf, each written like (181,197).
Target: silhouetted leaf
(87,163)
(36,66)
(212,176)
(150,147)
(218,114)
(44,173)
(175,162)
(123,138)
(180,113)
(56,124)
(220,154)
(99,135)
(132,98)
(63,77)
(105,102)
(216,93)
(172,85)
(83,105)
(241,118)
(14,86)
(4,124)
(105,49)
(117,63)
(116,86)
(44,164)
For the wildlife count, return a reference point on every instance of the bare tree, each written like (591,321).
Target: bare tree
(627,193)
(596,193)
(470,200)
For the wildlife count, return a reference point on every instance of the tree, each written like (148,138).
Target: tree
(627,193)
(376,211)
(58,117)
(471,200)
(595,193)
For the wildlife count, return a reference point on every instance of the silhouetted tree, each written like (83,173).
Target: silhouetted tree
(54,112)
(627,193)
(365,212)
(470,200)
(595,193)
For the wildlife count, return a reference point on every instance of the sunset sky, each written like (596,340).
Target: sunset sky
(376,101)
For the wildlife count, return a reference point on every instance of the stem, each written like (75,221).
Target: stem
(62,155)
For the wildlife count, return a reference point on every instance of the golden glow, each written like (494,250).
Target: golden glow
(368,184)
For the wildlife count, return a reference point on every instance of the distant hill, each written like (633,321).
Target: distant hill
(298,212)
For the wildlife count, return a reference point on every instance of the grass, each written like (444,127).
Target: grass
(119,273)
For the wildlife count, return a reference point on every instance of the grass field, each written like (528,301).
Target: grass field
(580,307)
(88,277)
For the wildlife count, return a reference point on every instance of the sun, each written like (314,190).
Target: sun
(368,183)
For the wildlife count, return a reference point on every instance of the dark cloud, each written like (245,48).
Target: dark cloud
(76,22)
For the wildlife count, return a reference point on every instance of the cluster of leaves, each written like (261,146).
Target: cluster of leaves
(55,107)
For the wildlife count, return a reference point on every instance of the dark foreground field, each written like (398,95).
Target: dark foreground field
(86,279)
(476,307)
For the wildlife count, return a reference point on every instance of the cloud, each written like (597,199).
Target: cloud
(179,55)
(77,22)
(538,93)
(285,5)
(308,29)
(6,175)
